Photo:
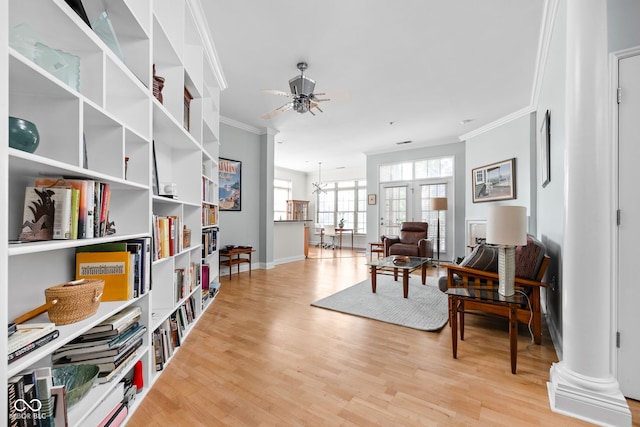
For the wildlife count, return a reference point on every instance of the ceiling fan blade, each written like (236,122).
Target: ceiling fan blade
(278,93)
(332,95)
(281,109)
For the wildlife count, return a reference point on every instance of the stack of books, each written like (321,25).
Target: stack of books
(29,337)
(110,345)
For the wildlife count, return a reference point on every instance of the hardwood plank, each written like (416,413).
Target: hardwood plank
(262,356)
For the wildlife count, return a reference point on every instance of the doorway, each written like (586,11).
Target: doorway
(628,231)
(410,201)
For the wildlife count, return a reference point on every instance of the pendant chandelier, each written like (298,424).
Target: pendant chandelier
(319,186)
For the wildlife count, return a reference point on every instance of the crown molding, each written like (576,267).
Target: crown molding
(240,125)
(506,119)
(209,48)
(546,31)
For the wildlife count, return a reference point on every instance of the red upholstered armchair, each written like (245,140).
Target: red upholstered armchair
(413,241)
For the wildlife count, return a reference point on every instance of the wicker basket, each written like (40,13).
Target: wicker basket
(75,302)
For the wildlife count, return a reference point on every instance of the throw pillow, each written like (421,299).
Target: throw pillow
(483,258)
(529,257)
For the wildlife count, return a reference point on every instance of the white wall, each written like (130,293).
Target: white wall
(551,198)
(510,140)
(242,228)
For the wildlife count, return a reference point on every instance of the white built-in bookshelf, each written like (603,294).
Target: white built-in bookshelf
(111,116)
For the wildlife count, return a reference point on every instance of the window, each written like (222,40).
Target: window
(281,193)
(406,190)
(344,200)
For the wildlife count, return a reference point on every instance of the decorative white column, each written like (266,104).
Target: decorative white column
(582,384)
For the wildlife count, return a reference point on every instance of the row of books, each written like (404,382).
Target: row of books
(209,215)
(168,238)
(170,334)
(28,337)
(111,345)
(124,266)
(209,241)
(186,280)
(65,208)
(209,190)
(35,386)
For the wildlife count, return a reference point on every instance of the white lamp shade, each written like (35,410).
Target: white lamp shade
(507,225)
(438,203)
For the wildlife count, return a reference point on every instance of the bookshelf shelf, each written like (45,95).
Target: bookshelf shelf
(103,128)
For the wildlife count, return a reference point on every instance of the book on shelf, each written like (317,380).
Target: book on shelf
(15,392)
(179,283)
(86,202)
(34,345)
(30,395)
(47,214)
(121,319)
(142,264)
(88,353)
(116,416)
(28,332)
(106,363)
(107,375)
(115,343)
(59,395)
(75,212)
(115,268)
(105,193)
(145,259)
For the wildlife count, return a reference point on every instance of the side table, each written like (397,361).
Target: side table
(236,256)
(376,248)
(457,297)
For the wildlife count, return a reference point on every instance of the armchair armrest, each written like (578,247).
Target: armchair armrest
(388,242)
(426,248)
(471,276)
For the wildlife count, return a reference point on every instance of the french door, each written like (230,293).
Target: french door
(402,202)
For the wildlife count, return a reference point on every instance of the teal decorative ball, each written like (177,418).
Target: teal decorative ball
(23,135)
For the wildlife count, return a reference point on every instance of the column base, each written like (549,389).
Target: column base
(598,401)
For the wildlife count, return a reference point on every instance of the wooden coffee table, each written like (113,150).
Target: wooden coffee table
(387,267)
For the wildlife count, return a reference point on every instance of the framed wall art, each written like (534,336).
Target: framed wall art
(372,199)
(230,184)
(545,148)
(496,181)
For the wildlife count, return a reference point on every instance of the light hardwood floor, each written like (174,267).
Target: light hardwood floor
(262,356)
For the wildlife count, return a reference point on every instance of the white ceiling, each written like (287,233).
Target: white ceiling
(424,65)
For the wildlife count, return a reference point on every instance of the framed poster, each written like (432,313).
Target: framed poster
(230,184)
(372,199)
(496,181)
(545,147)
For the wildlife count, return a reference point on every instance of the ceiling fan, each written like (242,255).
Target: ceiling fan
(303,98)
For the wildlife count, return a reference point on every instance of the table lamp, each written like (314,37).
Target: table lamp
(507,228)
(438,204)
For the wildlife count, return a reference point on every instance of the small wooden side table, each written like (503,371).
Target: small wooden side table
(457,297)
(376,248)
(236,256)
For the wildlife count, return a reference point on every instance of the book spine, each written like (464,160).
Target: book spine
(75,211)
(62,213)
(33,346)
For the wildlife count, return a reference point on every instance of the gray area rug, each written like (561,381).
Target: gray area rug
(425,309)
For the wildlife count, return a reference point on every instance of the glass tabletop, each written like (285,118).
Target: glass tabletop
(485,294)
(390,262)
